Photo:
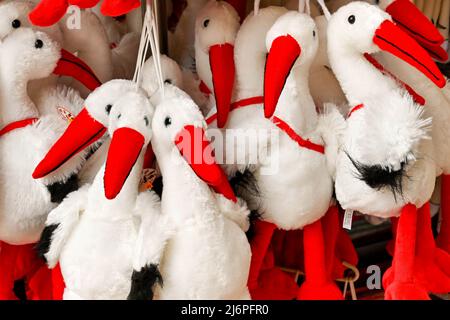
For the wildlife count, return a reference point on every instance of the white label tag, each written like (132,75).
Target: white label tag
(348,217)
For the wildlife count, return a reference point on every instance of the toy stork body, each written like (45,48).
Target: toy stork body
(27,134)
(204,253)
(381,169)
(95,229)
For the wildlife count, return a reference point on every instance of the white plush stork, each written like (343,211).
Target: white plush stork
(197,243)
(307,145)
(26,133)
(216,27)
(93,232)
(382,169)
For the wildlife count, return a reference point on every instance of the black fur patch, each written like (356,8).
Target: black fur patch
(142,282)
(378,177)
(244,183)
(20,289)
(254,216)
(158,186)
(45,241)
(59,190)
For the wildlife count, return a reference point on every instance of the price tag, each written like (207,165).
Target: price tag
(348,217)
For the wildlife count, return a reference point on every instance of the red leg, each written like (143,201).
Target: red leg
(317,285)
(259,245)
(404,287)
(428,269)
(443,239)
(8,258)
(48,12)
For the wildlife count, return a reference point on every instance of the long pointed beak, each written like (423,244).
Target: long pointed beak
(72,66)
(115,8)
(284,52)
(392,39)
(124,150)
(408,17)
(221,59)
(82,132)
(197,151)
(48,12)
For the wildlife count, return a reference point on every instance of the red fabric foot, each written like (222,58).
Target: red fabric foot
(318,284)
(405,291)
(57,283)
(274,284)
(40,284)
(443,239)
(325,291)
(48,12)
(114,8)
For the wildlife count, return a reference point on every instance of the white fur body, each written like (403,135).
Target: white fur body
(22,218)
(208,256)
(388,130)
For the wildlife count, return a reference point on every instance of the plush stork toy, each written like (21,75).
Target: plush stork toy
(49,12)
(381,170)
(27,135)
(216,27)
(198,242)
(93,232)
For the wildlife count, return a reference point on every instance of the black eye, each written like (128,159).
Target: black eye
(351,19)
(206,23)
(108,108)
(119,116)
(314,33)
(146,121)
(377,1)
(38,44)
(16,24)
(168,81)
(167,121)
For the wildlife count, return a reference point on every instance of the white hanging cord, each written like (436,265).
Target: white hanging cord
(142,52)
(256,7)
(156,53)
(325,10)
(304,7)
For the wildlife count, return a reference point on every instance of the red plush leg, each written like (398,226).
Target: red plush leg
(48,12)
(57,283)
(317,285)
(428,269)
(404,287)
(259,245)
(443,239)
(115,8)
(40,283)
(8,257)
(84,4)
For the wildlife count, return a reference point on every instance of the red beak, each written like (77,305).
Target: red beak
(114,8)
(221,59)
(48,12)
(408,17)
(126,146)
(82,132)
(284,52)
(196,150)
(72,66)
(392,39)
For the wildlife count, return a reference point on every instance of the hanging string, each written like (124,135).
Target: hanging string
(256,7)
(154,43)
(142,52)
(325,10)
(308,8)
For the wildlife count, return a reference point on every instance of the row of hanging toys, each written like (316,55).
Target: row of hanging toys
(219,43)
(371,181)
(33,57)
